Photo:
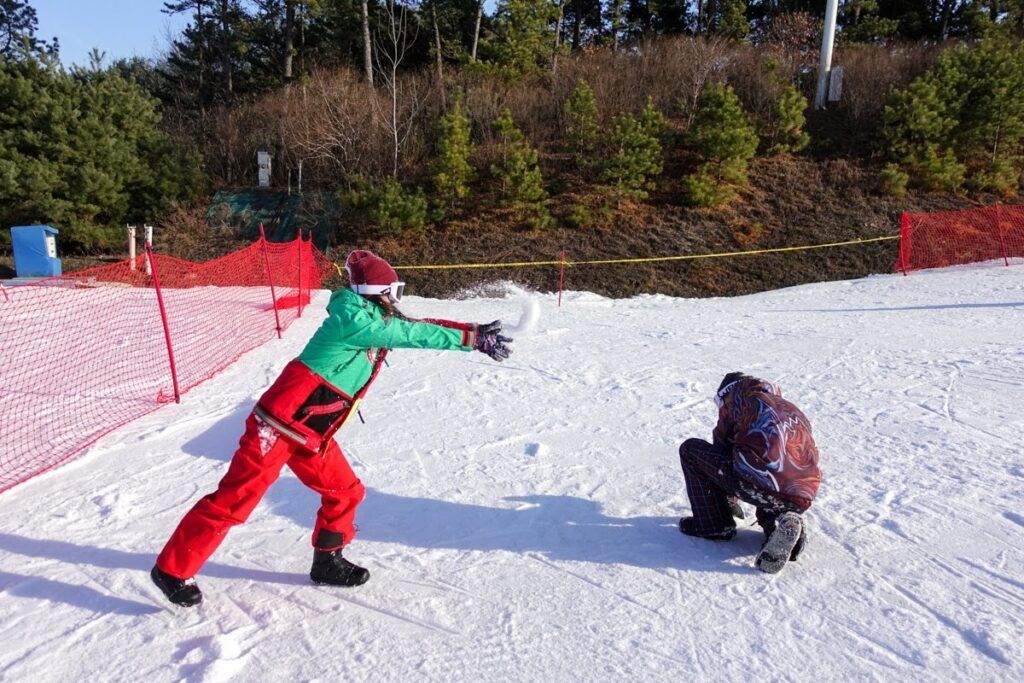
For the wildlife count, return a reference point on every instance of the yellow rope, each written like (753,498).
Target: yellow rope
(653,259)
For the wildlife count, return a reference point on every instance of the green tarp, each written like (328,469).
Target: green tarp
(281,213)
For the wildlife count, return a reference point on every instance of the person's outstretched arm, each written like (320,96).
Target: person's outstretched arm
(365,330)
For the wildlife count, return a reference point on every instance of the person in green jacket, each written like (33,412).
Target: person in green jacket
(295,420)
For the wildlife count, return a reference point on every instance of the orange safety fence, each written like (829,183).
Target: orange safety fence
(946,238)
(87,352)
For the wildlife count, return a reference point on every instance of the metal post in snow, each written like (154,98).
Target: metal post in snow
(270,279)
(828,37)
(149,245)
(561,275)
(131,246)
(904,240)
(300,271)
(151,266)
(999,231)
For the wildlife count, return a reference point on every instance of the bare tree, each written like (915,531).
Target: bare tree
(289,38)
(367,43)
(616,13)
(558,36)
(398,111)
(708,57)
(225,49)
(476,30)
(438,57)
(333,124)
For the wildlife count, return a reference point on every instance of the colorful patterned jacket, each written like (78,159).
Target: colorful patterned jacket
(772,447)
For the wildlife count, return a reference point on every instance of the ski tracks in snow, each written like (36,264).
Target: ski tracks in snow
(520,521)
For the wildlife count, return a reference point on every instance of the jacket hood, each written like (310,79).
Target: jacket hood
(745,384)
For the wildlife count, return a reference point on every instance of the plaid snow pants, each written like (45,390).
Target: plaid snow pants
(261,454)
(711,483)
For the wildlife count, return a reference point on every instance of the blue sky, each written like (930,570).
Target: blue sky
(121,28)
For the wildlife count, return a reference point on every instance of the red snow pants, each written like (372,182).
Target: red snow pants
(261,454)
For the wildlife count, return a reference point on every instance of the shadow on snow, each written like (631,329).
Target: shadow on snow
(558,527)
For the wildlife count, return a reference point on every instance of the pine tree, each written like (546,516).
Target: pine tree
(583,22)
(581,123)
(453,172)
(207,63)
(635,159)
(82,150)
(725,142)
(731,21)
(18,24)
(524,37)
(653,121)
(986,82)
(963,120)
(862,24)
(783,125)
(518,174)
(637,155)
(917,127)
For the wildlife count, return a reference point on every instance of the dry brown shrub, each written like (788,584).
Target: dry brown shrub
(688,66)
(746,233)
(794,37)
(187,233)
(870,72)
(332,121)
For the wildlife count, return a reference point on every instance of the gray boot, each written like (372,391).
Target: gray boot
(780,544)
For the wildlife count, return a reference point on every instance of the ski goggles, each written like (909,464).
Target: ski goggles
(393,291)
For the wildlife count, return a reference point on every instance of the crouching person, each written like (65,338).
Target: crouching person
(762,452)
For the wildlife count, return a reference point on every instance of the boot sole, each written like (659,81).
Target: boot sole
(780,544)
(324,582)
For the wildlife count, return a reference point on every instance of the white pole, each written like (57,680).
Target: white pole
(828,37)
(149,241)
(131,246)
(300,176)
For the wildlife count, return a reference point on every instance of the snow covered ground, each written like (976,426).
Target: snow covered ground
(520,521)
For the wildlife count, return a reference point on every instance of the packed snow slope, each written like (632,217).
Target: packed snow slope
(520,519)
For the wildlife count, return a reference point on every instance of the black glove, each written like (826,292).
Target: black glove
(486,328)
(489,340)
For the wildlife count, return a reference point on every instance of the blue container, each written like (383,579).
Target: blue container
(35,251)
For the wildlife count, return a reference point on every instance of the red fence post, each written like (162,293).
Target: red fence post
(905,241)
(999,230)
(163,316)
(270,279)
(561,275)
(301,271)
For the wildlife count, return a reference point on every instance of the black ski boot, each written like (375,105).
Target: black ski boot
(330,568)
(182,592)
(688,526)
